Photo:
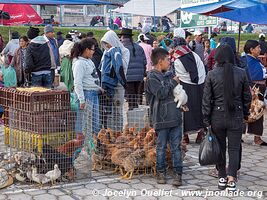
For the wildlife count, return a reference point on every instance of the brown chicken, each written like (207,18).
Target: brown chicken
(132,162)
(71,146)
(98,154)
(117,157)
(150,160)
(104,136)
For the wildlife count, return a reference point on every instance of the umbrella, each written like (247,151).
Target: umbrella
(20,14)
(4,15)
(254,15)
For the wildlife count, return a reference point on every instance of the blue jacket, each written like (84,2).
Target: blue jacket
(137,64)
(112,70)
(255,68)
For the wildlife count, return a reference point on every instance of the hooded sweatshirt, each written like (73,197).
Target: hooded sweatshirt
(114,62)
(85,77)
(65,48)
(38,57)
(11,47)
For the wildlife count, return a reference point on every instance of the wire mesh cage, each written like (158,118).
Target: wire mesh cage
(126,143)
(48,141)
(40,133)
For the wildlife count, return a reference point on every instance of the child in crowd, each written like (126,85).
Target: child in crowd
(165,117)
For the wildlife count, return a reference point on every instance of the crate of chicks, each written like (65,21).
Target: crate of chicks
(128,152)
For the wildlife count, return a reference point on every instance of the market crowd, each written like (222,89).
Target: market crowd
(218,82)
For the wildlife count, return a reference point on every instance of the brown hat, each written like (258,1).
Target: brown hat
(126,31)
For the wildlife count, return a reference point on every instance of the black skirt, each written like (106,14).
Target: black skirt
(193,119)
(256,127)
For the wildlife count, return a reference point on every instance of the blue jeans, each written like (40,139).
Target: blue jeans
(43,80)
(89,120)
(174,137)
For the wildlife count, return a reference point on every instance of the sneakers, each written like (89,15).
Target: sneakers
(161,178)
(222,184)
(231,186)
(177,180)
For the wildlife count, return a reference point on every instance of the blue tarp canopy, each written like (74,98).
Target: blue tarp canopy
(254,15)
(58,2)
(221,6)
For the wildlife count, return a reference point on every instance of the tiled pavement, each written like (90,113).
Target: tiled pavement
(104,185)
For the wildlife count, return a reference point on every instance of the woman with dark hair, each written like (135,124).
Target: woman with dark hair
(18,60)
(136,69)
(225,105)
(258,78)
(191,71)
(86,82)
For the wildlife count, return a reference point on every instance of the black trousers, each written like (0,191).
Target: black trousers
(134,93)
(230,128)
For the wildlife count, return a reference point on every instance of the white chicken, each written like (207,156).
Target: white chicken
(180,96)
(39,178)
(53,175)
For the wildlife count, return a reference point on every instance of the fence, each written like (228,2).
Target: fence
(45,136)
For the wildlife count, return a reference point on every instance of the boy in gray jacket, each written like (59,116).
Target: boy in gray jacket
(165,117)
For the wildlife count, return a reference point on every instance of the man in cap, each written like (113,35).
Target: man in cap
(196,45)
(53,45)
(263,44)
(60,38)
(38,59)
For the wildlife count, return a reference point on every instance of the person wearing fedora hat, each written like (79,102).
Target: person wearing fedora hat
(136,68)
(11,46)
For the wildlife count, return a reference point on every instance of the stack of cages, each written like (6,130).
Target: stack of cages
(40,135)
(124,143)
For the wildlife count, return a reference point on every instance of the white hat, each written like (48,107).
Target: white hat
(198,32)
(179,32)
(145,37)
(261,35)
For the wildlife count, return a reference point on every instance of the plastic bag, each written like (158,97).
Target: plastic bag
(209,150)
(10,77)
(73,102)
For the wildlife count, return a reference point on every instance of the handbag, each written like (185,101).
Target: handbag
(209,150)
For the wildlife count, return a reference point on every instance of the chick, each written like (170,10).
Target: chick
(53,175)
(39,178)
(134,161)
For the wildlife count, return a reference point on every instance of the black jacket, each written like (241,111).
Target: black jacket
(213,97)
(263,46)
(37,56)
(159,92)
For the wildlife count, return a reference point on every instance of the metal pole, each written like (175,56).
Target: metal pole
(239,36)
(60,15)
(154,20)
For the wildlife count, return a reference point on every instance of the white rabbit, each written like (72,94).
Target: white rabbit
(180,96)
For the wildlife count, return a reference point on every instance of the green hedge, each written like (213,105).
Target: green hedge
(99,33)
